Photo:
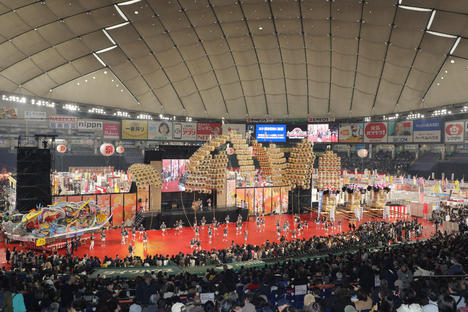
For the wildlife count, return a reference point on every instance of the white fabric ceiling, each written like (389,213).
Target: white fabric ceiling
(257,58)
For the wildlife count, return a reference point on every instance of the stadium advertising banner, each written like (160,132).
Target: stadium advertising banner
(375,132)
(466,131)
(111,131)
(426,130)
(240,128)
(62,122)
(135,129)
(159,130)
(400,131)
(186,131)
(296,132)
(351,133)
(205,131)
(323,133)
(270,133)
(454,131)
(89,125)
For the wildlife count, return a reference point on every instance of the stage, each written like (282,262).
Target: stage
(174,242)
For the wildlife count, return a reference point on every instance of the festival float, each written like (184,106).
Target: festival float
(45,225)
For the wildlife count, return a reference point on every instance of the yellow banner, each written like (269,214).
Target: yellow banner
(40,242)
(135,129)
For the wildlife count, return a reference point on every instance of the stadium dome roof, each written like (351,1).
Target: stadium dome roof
(233,59)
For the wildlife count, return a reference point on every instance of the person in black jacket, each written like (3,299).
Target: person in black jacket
(145,289)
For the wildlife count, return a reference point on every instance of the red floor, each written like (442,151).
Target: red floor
(173,242)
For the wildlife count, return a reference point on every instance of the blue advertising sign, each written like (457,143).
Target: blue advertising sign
(426,130)
(270,133)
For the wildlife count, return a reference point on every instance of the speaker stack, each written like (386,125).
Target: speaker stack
(33,178)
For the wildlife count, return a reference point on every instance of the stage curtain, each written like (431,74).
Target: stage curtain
(240,196)
(276,199)
(143,195)
(249,199)
(284,199)
(258,200)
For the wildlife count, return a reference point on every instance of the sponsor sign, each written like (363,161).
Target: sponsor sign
(205,131)
(351,133)
(375,132)
(466,131)
(320,119)
(135,129)
(90,125)
(35,115)
(270,133)
(240,128)
(160,130)
(400,131)
(454,131)
(184,131)
(111,130)
(426,130)
(62,122)
(7,113)
(296,132)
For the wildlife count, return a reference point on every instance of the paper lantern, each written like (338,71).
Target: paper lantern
(61,148)
(120,149)
(107,149)
(362,153)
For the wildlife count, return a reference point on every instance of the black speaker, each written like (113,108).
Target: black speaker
(33,178)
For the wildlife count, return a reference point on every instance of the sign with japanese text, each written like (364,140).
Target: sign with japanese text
(135,129)
(184,131)
(62,122)
(111,130)
(426,130)
(205,131)
(375,132)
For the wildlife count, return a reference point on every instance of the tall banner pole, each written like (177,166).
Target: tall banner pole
(320,203)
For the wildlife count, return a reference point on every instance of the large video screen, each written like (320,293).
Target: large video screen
(174,175)
(270,133)
(319,133)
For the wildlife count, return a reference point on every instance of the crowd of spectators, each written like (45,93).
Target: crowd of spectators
(398,277)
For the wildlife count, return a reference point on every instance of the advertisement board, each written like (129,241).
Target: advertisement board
(35,115)
(351,133)
(135,129)
(400,131)
(454,131)
(62,122)
(466,131)
(184,131)
(240,128)
(7,113)
(270,133)
(205,131)
(321,133)
(159,130)
(375,132)
(111,130)
(89,125)
(296,132)
(426,130)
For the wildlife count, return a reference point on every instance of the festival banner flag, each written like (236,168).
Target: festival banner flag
(320,200)
(276,199)
(129,207)
(267,199)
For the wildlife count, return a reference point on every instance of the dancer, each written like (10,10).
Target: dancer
(227,219)
(103,236)
(141,229)
(134,234)
(163,228)
(91,244)
(145,240)
(225,234)
(122,232)
(197,231)
(246,233)
(203,221)
(210,234)
(130,250)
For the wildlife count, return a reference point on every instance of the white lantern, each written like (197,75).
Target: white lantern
(61,148)
(120,149)
(107,149)
(363,153)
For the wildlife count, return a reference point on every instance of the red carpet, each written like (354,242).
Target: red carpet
(173,242)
